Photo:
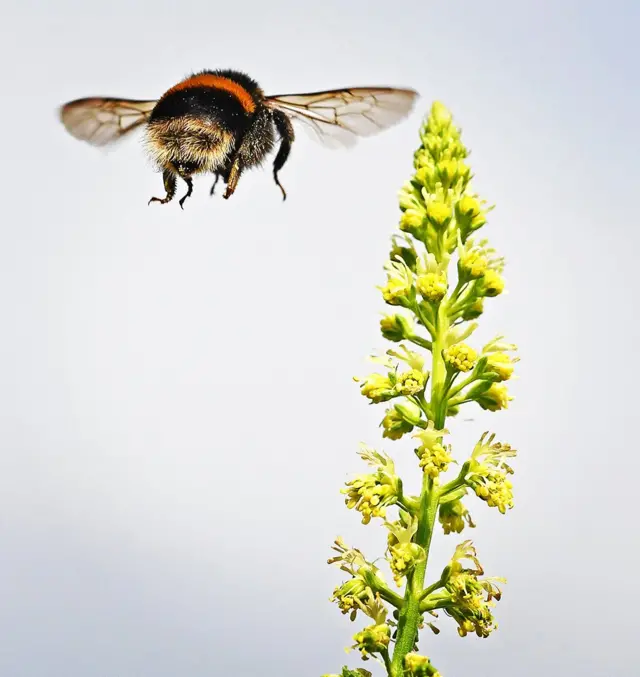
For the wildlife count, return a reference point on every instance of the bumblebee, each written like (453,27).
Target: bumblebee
(220,122)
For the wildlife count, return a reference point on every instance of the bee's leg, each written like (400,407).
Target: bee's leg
(232,178)
(189,182)
(256,143)
(169,180)
(285,129)
(215,183)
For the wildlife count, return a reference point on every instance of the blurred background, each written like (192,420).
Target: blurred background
(177,413)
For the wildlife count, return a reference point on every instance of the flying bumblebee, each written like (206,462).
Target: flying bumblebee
(221,122)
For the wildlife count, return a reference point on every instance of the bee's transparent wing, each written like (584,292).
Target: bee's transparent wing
(101,121)
(339,116)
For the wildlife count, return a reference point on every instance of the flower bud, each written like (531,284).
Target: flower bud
(492,284)
(473,310)
(460,357)
(410,412)
(469,215)
(396,327)
(501,364)
(452,517)
(448,172)
(377,388)
(395,426)
(408,196)
(438,213)
(373,639)
(426,176)
(432,286)
(440,117)
(399,287)
(472,264)
(403,558)
(412,221)
(495,398)
(418,666)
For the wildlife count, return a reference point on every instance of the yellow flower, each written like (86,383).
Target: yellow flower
(373,639)
(501,364)
(419,666)
(377,388)
(448,171)
(411,220)
(472,597)
(473,263)
(425,175)
(469,214)
(432,286)
(489,473)
(453,516)
(492,283)
(439,213)
(468,206)
(495,489)
(395,425)
(410,382)
(402,559)
(460,356)
(440,116)
(434,460)
(370,494)
(399,283)
(495,398)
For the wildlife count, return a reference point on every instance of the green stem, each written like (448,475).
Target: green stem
(432,588)
(419,341)
(387,661)
(432,605)
(458,482)
(390,596)
(468,381)
(409,616)
(410,612)
(456,292)
(423,319)
(459,304)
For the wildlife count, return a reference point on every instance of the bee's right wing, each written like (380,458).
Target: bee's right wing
(339,116)
(101,121)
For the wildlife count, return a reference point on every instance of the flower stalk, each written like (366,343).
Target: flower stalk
(431,374)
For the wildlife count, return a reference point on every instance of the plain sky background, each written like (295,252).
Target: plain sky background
(176,405)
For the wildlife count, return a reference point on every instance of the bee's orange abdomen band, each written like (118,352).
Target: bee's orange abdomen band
(218,82)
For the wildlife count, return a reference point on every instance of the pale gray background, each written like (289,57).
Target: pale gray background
(177,410)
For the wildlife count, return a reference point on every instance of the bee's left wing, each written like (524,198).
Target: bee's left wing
(339,116)
(100,121)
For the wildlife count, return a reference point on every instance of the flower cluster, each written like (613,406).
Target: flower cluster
(360,592)
(403,554)
(472,597)
(453,517)
(489,473)
(371,494)
(419,666)
(434,456)
(438,278)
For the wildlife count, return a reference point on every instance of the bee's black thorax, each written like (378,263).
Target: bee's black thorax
(211,105)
